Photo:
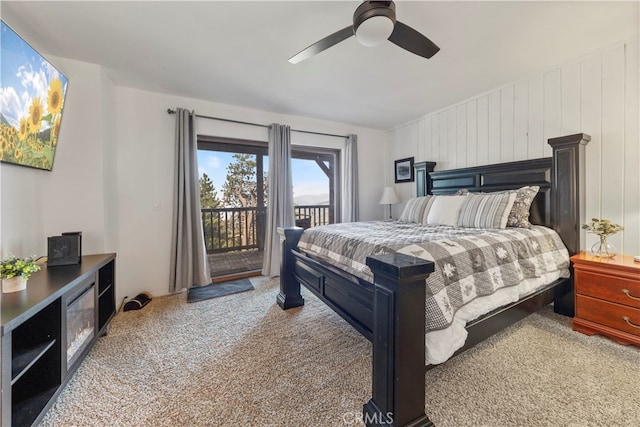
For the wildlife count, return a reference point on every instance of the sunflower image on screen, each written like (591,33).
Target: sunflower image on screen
(32,94)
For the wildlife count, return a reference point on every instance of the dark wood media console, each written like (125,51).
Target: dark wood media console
(48,329)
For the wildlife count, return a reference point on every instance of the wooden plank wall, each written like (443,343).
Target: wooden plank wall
(597,95)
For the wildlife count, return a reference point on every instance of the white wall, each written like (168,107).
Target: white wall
(22,211)
(597,95)
(109,164)
(73,195)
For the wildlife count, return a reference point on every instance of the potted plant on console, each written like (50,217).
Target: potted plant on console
(15,272)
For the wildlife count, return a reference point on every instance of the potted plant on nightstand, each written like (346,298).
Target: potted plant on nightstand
(603,228)
(15,272)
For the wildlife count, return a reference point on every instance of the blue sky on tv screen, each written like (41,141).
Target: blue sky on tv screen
(24,75)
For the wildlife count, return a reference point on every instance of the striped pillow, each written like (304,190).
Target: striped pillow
(415,209)
(519,215)
(486,210)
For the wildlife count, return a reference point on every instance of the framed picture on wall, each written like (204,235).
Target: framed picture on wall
(404,170)
(35,92)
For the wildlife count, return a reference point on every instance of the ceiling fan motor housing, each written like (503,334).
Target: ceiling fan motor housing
(380,18)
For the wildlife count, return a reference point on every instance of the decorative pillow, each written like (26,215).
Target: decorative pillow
(445,210)
(486,210)
(519,215)
(415,209)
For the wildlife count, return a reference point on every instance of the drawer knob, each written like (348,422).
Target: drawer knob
(627,293)
(626,319)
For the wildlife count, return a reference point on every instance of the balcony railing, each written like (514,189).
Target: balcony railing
(234,229)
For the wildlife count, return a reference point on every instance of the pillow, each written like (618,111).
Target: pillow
(519,215)
(486,210)
(445,210)
(415,209)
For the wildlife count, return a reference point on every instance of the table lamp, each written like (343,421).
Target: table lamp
(389,197)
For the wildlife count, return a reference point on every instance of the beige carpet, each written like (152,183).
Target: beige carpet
(241,361)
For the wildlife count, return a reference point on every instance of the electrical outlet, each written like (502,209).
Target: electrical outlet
(156,205)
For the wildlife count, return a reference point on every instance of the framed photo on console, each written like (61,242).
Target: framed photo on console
(65,249)
(404,170)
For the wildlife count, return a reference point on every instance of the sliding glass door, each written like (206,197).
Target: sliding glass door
(316,193)
(234,196)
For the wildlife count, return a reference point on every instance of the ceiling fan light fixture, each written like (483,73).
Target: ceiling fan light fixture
(374,21)
(374,30)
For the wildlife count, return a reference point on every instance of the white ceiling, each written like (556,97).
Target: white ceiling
(236,52)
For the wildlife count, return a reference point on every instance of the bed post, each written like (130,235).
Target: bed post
(289,295)
(568,203)
(398,388)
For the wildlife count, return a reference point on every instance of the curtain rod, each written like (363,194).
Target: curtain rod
(170,111)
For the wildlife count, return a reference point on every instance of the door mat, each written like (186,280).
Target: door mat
(201,293)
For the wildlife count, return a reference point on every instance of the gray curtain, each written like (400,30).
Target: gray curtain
(350,180)
(280,203)
(189,266)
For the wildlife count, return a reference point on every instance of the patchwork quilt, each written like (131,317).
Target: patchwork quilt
(469,262)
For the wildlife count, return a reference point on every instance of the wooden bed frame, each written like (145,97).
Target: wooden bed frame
(390,312)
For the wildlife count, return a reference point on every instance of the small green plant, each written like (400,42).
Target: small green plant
(13,266)
(602,227)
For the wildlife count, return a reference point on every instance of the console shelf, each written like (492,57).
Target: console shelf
(25,359)
(25,411)
(104,291)
(48,329)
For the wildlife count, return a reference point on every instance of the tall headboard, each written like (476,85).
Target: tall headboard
(502,176)
(560,203)
(423,181)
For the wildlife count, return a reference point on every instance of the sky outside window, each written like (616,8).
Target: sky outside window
(310,184)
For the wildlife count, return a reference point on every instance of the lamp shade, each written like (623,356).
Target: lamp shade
(389,196)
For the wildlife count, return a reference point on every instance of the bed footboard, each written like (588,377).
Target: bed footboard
(398,389)
(395,324)
(289,295)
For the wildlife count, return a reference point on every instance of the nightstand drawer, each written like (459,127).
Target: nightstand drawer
(620,317)
(610,288)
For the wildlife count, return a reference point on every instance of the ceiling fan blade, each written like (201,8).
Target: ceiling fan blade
(323,44)
(411,40)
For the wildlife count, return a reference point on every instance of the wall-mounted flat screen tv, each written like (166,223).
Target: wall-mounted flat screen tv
(32,93)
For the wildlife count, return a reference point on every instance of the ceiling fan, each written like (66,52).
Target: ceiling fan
(373,23)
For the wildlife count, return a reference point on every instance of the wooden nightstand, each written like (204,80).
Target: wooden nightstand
(607,297)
